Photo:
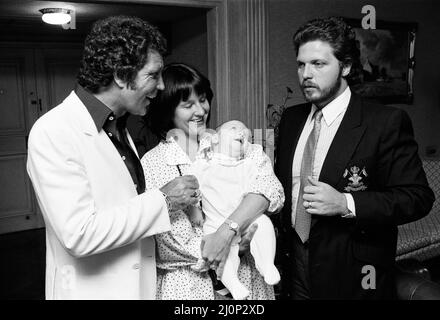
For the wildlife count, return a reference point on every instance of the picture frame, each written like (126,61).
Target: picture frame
(387,61)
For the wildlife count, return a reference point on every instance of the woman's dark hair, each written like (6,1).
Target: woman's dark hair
(180,81)
(336,32)
(118,46)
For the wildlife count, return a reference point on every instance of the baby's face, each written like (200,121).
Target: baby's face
(234,138)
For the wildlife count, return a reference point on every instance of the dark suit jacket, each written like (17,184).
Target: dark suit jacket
(379,139)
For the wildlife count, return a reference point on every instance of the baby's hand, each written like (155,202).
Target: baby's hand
(196,216)
(197,222)
(246,238)
(200,266)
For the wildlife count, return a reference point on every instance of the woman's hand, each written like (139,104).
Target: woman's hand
(215,248)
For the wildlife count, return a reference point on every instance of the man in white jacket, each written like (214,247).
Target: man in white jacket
(87,175)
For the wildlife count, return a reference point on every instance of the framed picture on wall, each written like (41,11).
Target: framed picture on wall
(387,61)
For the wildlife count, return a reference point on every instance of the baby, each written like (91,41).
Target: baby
(225,176)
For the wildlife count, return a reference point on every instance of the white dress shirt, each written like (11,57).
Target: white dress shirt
(333,113)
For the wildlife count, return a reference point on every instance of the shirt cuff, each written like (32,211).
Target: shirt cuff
(350,204)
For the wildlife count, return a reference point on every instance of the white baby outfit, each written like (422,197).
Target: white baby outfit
(224,181)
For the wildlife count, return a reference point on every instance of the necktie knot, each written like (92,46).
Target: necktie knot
(318,115)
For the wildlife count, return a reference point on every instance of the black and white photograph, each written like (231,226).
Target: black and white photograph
(242,152)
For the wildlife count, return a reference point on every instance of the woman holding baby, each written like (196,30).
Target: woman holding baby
(178,117)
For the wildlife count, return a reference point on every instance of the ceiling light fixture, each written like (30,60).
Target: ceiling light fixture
(56,15)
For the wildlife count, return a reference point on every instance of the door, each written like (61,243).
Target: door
(32,80)
(18,102)
(56,71)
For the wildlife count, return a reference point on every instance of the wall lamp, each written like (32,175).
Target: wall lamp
(56,15)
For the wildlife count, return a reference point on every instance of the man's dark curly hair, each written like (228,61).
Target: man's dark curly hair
(340,36)
(118,46)
(180,82)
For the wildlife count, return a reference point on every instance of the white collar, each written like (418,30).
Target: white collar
(225,160)
(174,154)
(338,105)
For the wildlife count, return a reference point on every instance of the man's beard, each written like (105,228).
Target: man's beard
(327,94)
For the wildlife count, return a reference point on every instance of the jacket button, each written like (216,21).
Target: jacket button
(136,266)
(362,231)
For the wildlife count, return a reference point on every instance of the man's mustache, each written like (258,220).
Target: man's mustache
(307,84)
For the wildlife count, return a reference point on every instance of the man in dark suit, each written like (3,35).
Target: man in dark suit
(351,174)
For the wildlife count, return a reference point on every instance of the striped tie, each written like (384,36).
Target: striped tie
(303,219)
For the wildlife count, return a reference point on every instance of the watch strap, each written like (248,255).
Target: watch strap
(234,226)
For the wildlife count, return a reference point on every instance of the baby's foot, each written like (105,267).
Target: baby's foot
(272,277)
(239,292)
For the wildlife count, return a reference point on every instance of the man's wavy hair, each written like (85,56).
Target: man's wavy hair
(180,81)
(340,36)
(117,46)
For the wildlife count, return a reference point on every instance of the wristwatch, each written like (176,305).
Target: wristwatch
(168,202)
(232,225)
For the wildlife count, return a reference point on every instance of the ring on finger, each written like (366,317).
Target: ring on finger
(196,193)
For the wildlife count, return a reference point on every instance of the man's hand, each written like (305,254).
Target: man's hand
(215,248)
(322,199)
(182,192)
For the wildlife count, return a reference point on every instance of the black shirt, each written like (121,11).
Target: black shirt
(104,119)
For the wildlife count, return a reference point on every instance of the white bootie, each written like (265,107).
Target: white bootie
(272,276)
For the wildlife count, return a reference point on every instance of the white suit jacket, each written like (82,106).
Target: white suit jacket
(98,229)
